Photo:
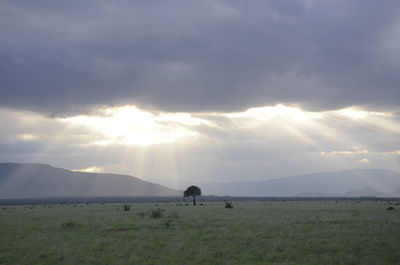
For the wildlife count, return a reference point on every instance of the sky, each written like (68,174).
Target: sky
(187,91)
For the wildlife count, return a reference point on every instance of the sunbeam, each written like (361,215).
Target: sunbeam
(132,126)
(173,148)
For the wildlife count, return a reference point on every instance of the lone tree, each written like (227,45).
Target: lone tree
(192,191)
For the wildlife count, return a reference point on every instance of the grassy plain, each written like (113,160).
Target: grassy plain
(258,232)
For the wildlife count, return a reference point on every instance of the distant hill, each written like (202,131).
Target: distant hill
(325,184)
(364,192)
(39,180)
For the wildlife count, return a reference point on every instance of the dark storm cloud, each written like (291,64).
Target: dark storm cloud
(199,55)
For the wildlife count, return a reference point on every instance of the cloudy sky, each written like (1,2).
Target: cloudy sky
(194,91)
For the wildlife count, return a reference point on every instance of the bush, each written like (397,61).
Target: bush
(127,207)
(70,225)
(156,213)
(141,214)
(228,204)
(390,208)
(174,215)
(167,223)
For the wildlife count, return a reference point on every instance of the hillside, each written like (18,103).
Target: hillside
(348,183)
(364,192)
(39,180)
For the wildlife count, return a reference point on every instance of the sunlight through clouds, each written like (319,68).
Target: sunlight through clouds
(355,151)
(364,161)
(26,137)
(201,91)
(132,126)
(170,146)
(358,113)
(93,169)
(276,112)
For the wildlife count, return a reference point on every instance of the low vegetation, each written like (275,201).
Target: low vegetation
(156,213)
(70,225)
(264,232)
(127,207)
(228,204)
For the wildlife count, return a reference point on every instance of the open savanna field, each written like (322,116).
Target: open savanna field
(253,232)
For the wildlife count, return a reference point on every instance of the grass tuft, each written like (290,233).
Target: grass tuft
(70,225)
(156,213)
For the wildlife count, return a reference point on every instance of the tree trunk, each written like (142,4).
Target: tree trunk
(194,200)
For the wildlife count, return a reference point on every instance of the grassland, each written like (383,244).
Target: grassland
(263,232)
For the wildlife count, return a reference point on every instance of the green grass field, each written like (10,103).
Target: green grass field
(263,232)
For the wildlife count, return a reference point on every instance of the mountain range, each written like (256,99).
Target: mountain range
(350,183)
(39,180)
(364,192)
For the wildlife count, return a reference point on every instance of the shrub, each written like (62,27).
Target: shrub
(141,214)
(156,213)
(174,215)
(127,207)
(390,208)
(167,223)
(228,204)
(71,224)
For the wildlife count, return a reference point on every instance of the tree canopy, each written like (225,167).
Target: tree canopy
(192,191)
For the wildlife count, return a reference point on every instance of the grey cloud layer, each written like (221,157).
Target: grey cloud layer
(199,55)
